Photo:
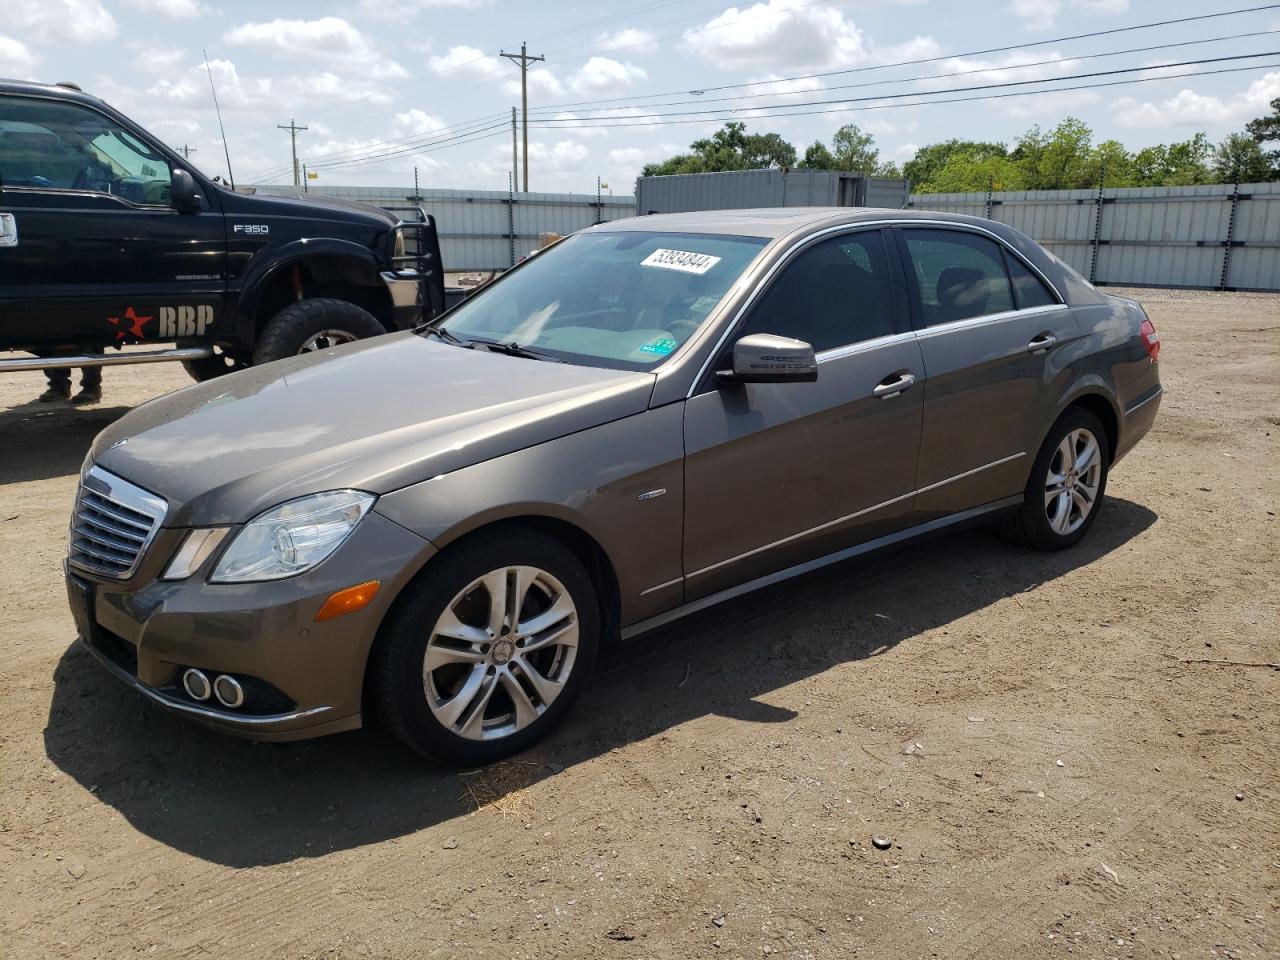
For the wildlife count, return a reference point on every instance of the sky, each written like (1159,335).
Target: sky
(387,86)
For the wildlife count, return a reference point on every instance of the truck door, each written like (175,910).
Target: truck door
(92,253)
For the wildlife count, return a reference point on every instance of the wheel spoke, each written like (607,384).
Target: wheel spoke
(562,635)
(474,727)
(521,580)
(1053,488)
(450,626)
(1084,461)
(1062,516)
(526,712)
(496,585)
(546,689)
(1065,456)
(561,609)
(439,656)
(450,710)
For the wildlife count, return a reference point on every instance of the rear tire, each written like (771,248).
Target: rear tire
(210,368)
(308,325)
(1067,483)
(461,678)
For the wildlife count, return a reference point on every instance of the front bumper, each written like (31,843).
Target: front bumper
(146,631)
(407,297)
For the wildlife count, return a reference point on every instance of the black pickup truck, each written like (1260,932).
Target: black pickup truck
(109,238)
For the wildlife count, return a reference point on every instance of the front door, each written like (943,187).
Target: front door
(98,255)
(776,474)
(992,334)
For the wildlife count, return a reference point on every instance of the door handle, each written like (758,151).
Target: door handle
(888,389)
(8,230)
(1041,342)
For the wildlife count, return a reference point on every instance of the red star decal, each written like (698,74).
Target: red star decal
(136,324)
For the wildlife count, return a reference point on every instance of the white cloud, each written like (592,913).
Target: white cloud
(153,60)
(15,59)
(641,41)
(1189,108)
(173,9)
(1004,69)
(331,38)
(416,121)
(1049,104)
(468,63)
(542,82)
(603,75)
(192,87)
(1043,14)
(83,21)
(906,151)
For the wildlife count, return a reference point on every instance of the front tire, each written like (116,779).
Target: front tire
(316,324)
(488,650)
(209,368)
(1067,483)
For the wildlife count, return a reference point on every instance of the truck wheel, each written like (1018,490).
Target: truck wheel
(309,325)
(209,368)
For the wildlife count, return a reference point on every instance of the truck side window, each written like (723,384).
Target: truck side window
(47,145)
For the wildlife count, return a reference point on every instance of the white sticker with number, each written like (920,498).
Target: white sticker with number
(682,260)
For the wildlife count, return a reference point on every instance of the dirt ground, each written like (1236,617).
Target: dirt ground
(1057,778)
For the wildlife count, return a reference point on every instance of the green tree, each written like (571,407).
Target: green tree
(1239,159)
(924,166)
(973,172)
(1109,164)
(729,148)
(817,157)
(1266,130)
(1057,160)
(854,149)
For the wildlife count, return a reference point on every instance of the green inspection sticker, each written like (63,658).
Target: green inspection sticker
(662,346)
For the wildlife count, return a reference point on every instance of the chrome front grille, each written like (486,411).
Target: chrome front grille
(113,525)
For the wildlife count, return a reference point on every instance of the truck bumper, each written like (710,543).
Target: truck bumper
(406,290)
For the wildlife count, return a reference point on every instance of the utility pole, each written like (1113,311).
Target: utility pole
(515,154)
(187,151)
(524,61)
(293,129)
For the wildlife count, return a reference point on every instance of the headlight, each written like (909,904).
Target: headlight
(293,537)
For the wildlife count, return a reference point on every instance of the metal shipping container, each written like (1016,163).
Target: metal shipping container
(740,189)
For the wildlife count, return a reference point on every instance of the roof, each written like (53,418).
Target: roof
(770,222)
(32,88)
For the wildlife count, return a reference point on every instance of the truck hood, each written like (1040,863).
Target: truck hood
(307,206)
(376,415)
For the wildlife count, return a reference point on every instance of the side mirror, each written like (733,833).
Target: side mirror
(183,193)
(766,358)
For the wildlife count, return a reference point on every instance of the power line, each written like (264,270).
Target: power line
(930,76)
(920,93)
(407,151)
(759,112)
(937,59)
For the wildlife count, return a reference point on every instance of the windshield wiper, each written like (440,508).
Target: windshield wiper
(513,349)
(450,337)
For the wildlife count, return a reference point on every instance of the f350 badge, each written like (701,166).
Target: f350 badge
(251,229)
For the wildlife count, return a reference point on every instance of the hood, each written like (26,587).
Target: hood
(375,415)
(307,206)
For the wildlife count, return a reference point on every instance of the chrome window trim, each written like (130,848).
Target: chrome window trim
(862,346)
(790,252)
(852,516)
(987,318)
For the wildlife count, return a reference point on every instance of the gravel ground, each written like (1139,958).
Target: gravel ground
(1062,760)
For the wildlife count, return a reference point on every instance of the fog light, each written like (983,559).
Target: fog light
(196,684)
(228,691)
(348,601)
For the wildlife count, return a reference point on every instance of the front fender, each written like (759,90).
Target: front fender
(268,262)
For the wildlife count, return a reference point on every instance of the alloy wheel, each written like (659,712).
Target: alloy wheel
(1071,487)
(326,339)
(500,653)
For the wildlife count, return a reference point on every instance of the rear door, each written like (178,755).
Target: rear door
(99,256)
(776,474)
(992,334)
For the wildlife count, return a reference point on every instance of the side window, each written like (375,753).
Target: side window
(49,145)
(959,275)
(1028,289)
(834,293)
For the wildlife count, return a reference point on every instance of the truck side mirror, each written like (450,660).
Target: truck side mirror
(183,193)
(765,358)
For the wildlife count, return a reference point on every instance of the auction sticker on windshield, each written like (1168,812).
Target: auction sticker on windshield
(682,260)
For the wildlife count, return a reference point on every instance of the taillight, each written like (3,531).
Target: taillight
(1150,339)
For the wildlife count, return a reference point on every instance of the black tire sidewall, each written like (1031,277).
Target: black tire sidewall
(286,332)
(403,646)
(1042,534)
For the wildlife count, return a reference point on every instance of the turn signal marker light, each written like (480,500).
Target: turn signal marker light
(348,601)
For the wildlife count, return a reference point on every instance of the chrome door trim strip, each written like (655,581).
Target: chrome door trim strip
(809,566)
(1159,391)
(852,227)
(839,520)
(662,586)
(970,473)
(988,318)
(838,353)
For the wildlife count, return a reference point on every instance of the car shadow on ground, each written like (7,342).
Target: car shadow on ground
(243,804)
(45,440)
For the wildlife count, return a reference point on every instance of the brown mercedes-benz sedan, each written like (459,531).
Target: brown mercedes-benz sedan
(444,527)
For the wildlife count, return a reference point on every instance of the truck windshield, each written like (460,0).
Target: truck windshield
(617,299)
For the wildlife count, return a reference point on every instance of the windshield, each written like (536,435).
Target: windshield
(618,299)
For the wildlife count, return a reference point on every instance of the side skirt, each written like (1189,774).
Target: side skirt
(933,526)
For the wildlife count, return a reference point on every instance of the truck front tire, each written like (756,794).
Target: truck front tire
(313,324)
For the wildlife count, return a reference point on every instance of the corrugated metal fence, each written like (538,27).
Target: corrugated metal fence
(1216,237)
(486,229)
